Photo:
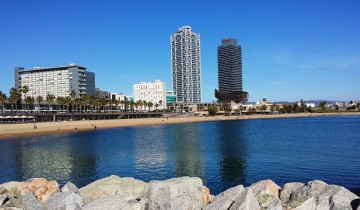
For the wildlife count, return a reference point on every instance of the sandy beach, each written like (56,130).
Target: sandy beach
(9,131)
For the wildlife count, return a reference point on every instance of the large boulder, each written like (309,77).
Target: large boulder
(30,202)
(288,189)
(42,188)
(109,202)
(325,196)
(225,199)
(177,193)
(266,193)
(10,187)
(127,188)
(246,201)
(65,200)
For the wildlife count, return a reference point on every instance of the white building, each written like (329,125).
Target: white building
(151,91)
(58,81)
(185,65)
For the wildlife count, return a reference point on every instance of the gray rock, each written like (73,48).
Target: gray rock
(129,188)
(30,202)
(302,203)
(11,208)
(246,201)
(110,202)
(177,193)
(65,200)
(3,199)
(325,196)
(225,199)
(288,189)
(11,187)
(70,187)
(342,199)
(266,193)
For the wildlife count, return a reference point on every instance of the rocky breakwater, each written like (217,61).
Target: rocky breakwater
(178,193)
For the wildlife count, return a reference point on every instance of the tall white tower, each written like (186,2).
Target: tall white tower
(186,68)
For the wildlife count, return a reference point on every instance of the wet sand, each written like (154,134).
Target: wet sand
(11,131)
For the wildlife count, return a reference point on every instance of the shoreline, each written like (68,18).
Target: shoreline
(12,131)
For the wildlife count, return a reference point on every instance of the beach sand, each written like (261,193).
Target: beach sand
(11,131)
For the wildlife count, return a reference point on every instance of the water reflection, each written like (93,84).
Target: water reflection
(232,153)
(58,158)
(187,150)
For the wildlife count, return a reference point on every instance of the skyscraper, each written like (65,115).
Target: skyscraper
(185,64)
(230,72)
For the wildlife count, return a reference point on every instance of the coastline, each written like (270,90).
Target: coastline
(10,131)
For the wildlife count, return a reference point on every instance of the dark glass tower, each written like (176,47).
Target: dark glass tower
(230,72)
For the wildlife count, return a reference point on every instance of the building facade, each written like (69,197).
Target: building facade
(230,72)
(58,81)
(151,91)
(186,67)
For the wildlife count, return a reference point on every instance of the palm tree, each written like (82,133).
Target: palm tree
(84,100)
(92,103)
(122,102)
(72,95)
(14,96)
(137,105)
(67,102)
(150,104)
(77,103)
(160,104)
(60,102)
(49,99)
(156,106)
(30,101)
(116,102)
(3,99)
(39,99)
(25,90)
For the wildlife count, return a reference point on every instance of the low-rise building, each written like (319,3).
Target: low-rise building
(154,92)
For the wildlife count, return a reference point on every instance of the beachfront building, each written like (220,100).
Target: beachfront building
(154,92)
(58,81)
(185,64)
(230,72)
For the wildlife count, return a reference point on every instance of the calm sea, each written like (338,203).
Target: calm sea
(223,154)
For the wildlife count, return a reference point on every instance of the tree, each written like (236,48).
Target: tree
(337,107)
(25,90)
(39,99)
(150,105)
(358,105)
(322,105)
(227,107)
(263,108)
(156,106)
(84,101)
(77,103)
(212,110)
(160,104)
(14,96)
(274,107)
(3,99)
(67,102)
(116,102)
(72,95)
(252,110)
(60,101)
(50,99)
(30,101)
(122,102)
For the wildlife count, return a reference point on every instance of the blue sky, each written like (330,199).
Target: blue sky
(291,49)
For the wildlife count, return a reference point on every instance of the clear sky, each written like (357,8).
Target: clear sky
(291,49)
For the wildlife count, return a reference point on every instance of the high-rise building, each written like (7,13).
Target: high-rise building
(230,72)
(154,92)
(186,68)
(58,81)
